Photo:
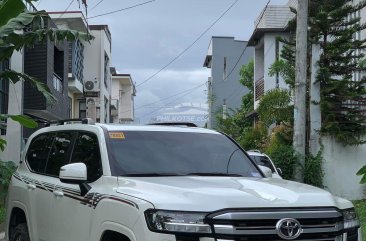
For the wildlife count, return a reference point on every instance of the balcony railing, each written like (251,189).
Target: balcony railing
(259,88)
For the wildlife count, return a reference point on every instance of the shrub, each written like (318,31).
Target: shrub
(6,171)
(313,171)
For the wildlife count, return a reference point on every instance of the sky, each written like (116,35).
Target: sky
(146,38)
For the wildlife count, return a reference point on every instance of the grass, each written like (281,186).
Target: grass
(361,211)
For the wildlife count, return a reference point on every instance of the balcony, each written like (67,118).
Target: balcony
(75,85)
(259,88)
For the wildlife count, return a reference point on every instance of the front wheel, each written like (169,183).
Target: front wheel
(20,233)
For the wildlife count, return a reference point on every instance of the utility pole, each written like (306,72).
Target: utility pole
(300,86)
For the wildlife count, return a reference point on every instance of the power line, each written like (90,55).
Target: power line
(170,102)
(165,98)
(67,8)
(189,46)
(122,9)
(242,53)
(96,5)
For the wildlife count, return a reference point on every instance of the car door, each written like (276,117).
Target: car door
(39,193)
(59,156)
(72,211)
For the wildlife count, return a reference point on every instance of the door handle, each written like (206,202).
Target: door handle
(31,186)
(58,193)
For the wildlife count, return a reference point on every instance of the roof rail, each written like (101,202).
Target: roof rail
(187,124)
(86,121)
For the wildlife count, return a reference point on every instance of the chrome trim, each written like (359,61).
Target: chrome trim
(231,230)
(278,215)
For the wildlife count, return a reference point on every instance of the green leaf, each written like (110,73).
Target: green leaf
(362,171)
(14,77)
(2,144)
(10,9)
(24,121)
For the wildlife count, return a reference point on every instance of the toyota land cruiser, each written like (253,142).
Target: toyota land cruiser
(98,182)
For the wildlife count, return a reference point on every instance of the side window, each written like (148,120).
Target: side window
(38,152)
(60,151)
(86,150)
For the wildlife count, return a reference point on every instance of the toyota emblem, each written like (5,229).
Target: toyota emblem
(288,228)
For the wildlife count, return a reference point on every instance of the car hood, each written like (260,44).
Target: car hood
(193,193)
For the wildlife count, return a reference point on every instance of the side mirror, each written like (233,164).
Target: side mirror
(73,173)
(279,170)
(266,171)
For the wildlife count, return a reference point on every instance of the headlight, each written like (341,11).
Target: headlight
(177,222)
(350,219)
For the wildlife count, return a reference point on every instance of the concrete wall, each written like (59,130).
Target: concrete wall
(230,89)
(340,166)
(14,135)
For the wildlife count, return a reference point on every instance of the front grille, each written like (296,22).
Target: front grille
(248,225)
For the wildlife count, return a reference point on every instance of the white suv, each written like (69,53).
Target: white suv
(81,182)
(262,159)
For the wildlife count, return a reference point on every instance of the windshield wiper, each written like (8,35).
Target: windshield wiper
(214,174)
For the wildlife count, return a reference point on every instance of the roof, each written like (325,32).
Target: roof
(259,32)
(102,27)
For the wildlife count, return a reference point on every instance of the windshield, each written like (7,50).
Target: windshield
(263,161)
(155,153)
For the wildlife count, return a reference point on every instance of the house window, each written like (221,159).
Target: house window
(106,105)
(98,115)
(4,95)
(225,69)
(106,70)
(82,109)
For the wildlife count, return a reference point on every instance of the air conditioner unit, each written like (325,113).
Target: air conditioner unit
(91,86)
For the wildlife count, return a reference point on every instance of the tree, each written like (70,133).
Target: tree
(334,27)
(237,123)
(19,29)
(362,173)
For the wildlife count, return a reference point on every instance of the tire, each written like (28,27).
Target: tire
(20,233)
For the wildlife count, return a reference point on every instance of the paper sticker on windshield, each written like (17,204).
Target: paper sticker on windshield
(116,135)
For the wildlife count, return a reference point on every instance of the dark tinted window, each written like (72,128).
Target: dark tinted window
(38,152)
(176,153)
(263,161)
(86,150)
(60,151)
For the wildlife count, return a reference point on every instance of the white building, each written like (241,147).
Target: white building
(98,81)
(122,102)
(270,26)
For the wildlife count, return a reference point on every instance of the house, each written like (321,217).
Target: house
(269,27)
(74,20)
(122,101)
(48,62)
(225,57)
(97,76)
